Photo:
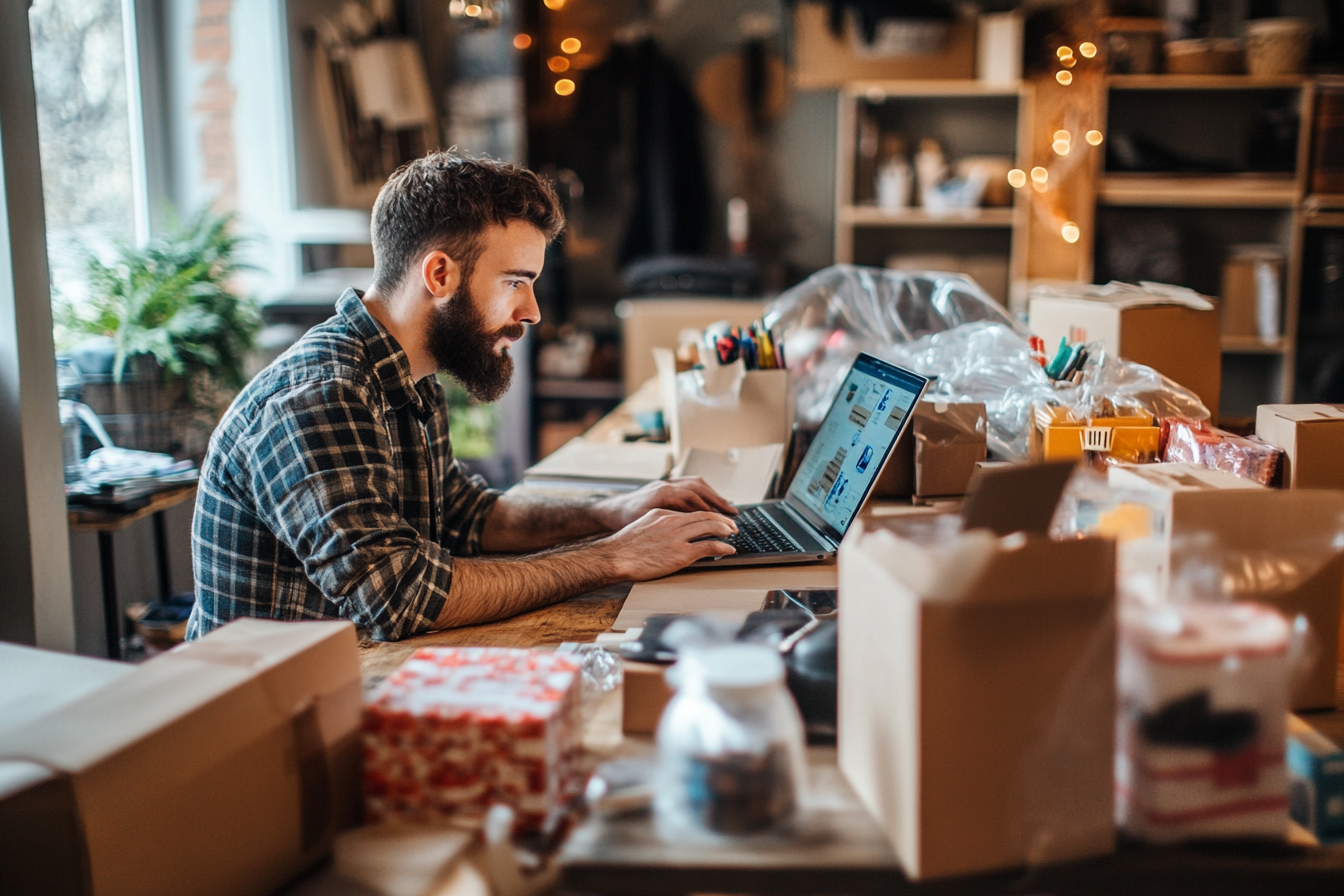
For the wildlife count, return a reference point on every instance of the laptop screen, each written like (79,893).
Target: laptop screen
(856,436)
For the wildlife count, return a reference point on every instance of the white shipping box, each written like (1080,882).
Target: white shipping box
(719,408)
(977,695)
(221,768)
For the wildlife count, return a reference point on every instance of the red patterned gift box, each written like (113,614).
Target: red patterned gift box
(456,729)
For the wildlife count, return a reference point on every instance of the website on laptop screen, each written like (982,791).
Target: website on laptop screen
(853,440)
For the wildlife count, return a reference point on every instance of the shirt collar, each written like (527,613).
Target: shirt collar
(391,365)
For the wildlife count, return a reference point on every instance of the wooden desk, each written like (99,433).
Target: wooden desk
(113,518)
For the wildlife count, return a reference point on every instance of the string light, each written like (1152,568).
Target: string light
(522,41)
(1093,136)
(1065,78)
(1017,178)
(1039,175)
(570,45)
(564,87)
(472,10)
(554,4)
(558,64)
(1068,62)
(1061,147)
(1070,232)
(1064,135)
(1064,52)
(1088,49)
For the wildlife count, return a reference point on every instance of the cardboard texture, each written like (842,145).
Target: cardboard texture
(719,408)
(938,455)
(733,592)
(977,696)
(1180,342)
(222,767)
(1312,439)
(1285,536)
(647,324)
(37,682)
(645,694)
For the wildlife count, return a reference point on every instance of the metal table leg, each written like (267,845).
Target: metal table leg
(111,606)
(161,549)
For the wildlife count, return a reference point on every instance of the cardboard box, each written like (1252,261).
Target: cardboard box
(223,767)
(38,682)
(1285,537)
(977,695)
(645,694)
(822,60)
(719,408)
(1312,439)
(647,324)
(938,455)
(1180,342)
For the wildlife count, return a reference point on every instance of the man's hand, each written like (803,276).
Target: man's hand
(687,494)
(663,541)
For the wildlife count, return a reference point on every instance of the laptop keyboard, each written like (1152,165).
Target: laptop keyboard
(758,534)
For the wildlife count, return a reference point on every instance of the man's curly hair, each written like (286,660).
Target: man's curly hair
(444,201)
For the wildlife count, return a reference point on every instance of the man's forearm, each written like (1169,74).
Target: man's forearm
(520,523)
(487,590)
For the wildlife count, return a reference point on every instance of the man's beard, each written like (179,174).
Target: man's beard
(463,349)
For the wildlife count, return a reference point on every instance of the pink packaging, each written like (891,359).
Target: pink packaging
(1202,728)
(1196,442)
(457,729)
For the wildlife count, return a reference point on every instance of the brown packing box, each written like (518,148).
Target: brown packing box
(37,682)
(652,323)
(821,60)
(1179,342)
(645,693)
(221,767)
(1294,528)
(977,696)
(938,454)
(1312,439)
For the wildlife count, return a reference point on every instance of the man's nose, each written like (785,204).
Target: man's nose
(528,311)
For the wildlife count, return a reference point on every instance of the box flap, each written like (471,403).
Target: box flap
(1176,478)
(1307,413)
(41,681)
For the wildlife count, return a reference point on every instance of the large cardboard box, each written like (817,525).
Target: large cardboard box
(222,767)
(977,695)
(1312,439)
(938,455)
(37,682)
(652,323)
(1178,341)
(1275,547)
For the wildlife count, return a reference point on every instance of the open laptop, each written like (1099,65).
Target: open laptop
(870,413)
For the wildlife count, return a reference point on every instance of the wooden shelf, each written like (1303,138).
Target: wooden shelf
(1323,219)
(879,90)
(1253,345)
(872,216)
(1203,82)
(1198,191)
(578,389)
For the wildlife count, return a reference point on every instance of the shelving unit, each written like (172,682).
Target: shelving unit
(968,118)
(1210,118)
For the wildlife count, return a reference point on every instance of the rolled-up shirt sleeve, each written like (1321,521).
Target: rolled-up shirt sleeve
(324,485)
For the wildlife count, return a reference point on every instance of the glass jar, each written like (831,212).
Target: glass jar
(730,744)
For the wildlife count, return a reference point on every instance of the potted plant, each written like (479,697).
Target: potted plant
(163,336)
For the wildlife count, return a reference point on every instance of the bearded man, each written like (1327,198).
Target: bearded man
(330,489)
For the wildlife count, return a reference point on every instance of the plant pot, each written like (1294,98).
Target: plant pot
(146,411)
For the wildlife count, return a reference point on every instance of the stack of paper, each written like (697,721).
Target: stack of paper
(742,475)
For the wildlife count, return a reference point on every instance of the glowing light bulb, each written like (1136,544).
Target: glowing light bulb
(1061,147)
(1068,61)
(1093,136)
(558,64)
(570,45)
(1065,78)
(1062,134)
(1040,175)
(564,87)
(472,10)
(455,7)
(1017,178)
(522,41)
(554,4)
(1088,49)
(1064,52)
(1070,232)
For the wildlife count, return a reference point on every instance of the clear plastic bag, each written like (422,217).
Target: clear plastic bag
(1196,442)
(944,326)
(825,321)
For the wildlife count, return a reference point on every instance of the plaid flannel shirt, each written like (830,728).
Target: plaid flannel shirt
(330,489)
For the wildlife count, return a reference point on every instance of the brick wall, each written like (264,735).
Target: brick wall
(215,100)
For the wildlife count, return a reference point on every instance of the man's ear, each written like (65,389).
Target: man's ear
(440,273)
